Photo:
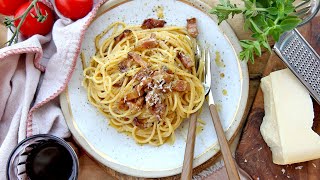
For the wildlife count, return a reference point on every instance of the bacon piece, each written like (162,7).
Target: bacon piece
(148,43)
(167,88)
(192,27)
(185,60)
(159,109)
(166,69)
(124,34)
(162,76)
(138,123)
(139,102)
(122,105)
(143,84)
(132,95)
(140,89)
(168,77)
(136,104)
(132,106)
(152,23)
(136,57)
(143,73)
(180,85)
(119,83)
(125,64)
(142,123)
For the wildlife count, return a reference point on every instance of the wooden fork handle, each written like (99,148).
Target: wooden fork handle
(188,154)
(225,150)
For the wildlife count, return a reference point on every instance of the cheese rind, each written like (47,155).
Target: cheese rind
(286,127)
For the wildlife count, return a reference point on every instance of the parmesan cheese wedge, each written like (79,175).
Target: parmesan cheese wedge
(286,127)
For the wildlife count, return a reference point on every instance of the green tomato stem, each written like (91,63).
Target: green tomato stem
(23,17)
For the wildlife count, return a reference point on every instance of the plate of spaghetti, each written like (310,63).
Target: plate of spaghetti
(138,79)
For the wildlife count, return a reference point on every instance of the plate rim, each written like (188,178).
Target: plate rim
(211,152)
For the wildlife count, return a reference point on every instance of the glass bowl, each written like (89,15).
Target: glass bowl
(16,165)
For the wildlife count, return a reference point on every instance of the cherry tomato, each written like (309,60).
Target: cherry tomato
(9,7)
(74,9)
(31,25)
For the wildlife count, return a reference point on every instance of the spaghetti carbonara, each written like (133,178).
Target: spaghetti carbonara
(144,80)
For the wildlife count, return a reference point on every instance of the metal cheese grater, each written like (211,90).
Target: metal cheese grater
(297,53)
(301,58)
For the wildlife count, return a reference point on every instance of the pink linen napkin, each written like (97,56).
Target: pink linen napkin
(32,75)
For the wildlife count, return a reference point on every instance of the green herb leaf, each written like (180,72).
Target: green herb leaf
(266,45)
(275,33)
(246,25)
(272,10)
(289,9)
(260,21)
(289,24)
(257,48)
(248,4)
(254,27)
(224,10)
(267,19)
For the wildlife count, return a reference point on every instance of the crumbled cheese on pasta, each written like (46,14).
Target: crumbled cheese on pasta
(153,98)
(159,84)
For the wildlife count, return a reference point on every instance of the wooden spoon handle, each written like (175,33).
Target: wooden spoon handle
(188,154)
(225,150)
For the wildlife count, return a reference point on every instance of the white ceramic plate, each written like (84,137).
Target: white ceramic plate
(120,152)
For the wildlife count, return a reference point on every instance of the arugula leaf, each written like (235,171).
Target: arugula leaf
(267,19)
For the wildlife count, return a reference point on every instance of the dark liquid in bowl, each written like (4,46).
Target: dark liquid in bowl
(49,161)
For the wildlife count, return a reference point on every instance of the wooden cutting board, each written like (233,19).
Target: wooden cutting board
(252,154)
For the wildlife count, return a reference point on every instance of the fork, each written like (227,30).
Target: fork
(189,151)
(306,10)
(230,165)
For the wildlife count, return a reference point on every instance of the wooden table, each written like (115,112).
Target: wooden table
(90,168)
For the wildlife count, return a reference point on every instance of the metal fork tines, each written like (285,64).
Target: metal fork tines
(207,72)
(204,56)
(301,58)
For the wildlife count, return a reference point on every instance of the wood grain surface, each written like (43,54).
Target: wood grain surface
(253,154)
